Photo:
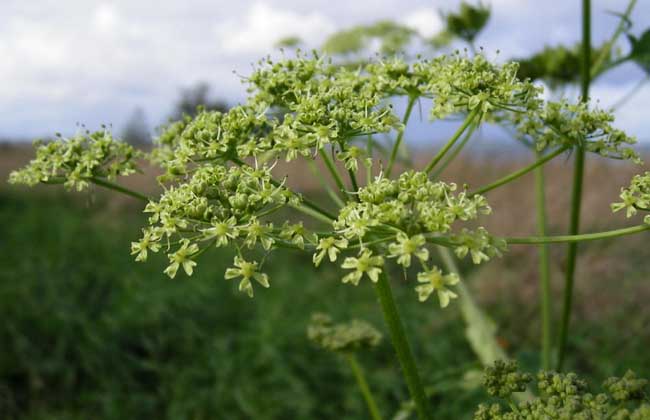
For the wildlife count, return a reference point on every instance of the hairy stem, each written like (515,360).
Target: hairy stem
(468,121)
(544,267)
(402,347)
(357,371)
(517,174)
(576,196)
(400,136)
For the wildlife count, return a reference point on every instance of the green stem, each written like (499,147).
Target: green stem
(353,180)
(310,211)
(115,187)
(402,347)
(369,167)
(544,268)
(450,158)
(600,60)
(508,178)
(536,240)
(576,196)
(332,169)
(330,192)
(363,386)
(468,121)
(400,136)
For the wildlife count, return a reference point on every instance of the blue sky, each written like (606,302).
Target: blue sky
(94,62)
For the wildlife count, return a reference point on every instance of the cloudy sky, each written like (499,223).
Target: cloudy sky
(68,61)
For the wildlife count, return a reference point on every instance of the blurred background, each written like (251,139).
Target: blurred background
(88,333)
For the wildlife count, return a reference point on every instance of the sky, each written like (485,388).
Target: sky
(94,62)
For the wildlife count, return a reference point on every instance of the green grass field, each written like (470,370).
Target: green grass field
(88,333)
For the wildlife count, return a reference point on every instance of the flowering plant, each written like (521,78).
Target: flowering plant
(222,188)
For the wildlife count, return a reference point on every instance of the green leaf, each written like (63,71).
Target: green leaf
(640,53)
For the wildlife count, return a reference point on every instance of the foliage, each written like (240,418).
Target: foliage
(558,65)
(640,51)
(392,38)
(465,24)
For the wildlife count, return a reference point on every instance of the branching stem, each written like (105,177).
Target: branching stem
(116,187)
(523,171)
(400,136)
(468,121)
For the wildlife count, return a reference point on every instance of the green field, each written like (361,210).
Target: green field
(89,333)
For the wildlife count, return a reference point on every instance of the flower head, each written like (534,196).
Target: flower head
(148,242)
(183,256)
(247,271)
(365,263)
(405,247)
(434,281)
(330,246)
(222,231)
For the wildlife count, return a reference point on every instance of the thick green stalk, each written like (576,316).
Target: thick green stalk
(544,268)
(468,121)
(400,136)
(536,240)
(576,196)
(523,171)
(402,347)
(115,187)
(363,386)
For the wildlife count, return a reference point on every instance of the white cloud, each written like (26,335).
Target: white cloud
(426,21)
(105,18)
(263,26)
(95,60)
